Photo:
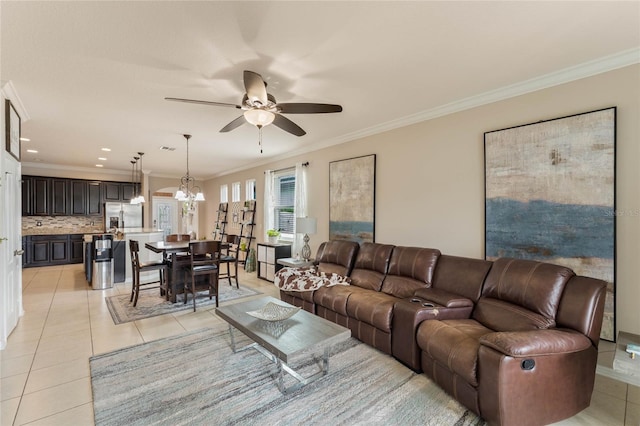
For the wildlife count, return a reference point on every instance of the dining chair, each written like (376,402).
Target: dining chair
(137,267)
(204,260)
(174,238)
(232,252)
(175,261)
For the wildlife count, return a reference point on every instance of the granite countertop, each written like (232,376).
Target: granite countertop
(140,230)
(41,230)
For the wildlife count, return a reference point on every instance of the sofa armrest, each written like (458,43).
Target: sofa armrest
(520,344)
(443,297)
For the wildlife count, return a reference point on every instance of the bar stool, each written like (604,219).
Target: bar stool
(205,260)
(231,256)
(137,267)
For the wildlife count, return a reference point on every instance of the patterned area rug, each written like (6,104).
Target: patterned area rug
(196,379)
(150,304)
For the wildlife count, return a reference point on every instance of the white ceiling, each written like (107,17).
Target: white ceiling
(95,74)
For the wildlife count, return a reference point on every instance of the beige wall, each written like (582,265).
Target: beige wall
(430,176)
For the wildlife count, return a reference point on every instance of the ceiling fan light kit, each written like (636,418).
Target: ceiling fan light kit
(261,108)
(259,117)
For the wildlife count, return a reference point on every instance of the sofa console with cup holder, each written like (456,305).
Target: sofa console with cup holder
(514,340)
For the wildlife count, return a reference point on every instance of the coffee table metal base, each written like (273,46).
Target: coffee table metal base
(282,366)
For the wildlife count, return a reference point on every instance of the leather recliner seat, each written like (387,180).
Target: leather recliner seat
(333,257)
(522,356)
(513,340)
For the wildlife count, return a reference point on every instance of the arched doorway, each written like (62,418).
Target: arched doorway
(170,215)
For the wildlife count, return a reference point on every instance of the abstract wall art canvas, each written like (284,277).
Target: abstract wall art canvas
(550,196)
(352,188)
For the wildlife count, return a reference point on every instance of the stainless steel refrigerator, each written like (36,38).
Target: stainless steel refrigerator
(122,215)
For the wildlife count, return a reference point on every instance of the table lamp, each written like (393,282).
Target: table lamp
(306,226)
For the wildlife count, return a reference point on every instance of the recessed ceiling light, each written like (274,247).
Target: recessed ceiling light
(25,139)
(99,165)
(102,159)
(106,149)
(33,151)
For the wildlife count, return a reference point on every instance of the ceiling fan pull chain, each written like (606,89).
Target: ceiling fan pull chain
(260,138)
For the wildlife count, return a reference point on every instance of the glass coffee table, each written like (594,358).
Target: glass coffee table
(281,341)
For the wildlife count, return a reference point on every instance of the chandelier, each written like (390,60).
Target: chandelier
(138,197)
(188,191)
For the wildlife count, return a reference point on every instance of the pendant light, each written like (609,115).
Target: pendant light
(188,191)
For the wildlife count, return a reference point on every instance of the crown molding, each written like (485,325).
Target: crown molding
(9,92)
(56,167)
(566,75)
(578,72)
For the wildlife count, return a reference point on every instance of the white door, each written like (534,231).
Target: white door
(165,214)
(10,248)
(168,215)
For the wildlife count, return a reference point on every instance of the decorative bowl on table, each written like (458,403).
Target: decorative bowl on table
(274,312)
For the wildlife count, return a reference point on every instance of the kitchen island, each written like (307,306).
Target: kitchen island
(122,255)
(143,236)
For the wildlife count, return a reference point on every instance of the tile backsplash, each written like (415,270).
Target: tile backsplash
(45,225)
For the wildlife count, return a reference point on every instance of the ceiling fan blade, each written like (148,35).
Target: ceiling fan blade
(288,126)
(255,87)
(306,108)
(194,101)
(234,124)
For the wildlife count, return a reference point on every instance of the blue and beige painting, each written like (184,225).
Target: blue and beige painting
(550,196)
(544,230)
(360,232)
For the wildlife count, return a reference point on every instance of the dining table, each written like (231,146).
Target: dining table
(166,247)
(175,253)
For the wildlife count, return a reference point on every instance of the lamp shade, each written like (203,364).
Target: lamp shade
(306,225)
(259,117)
(180,195)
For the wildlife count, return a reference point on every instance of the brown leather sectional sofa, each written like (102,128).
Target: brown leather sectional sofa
(513,340)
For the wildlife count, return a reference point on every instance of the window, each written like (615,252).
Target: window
(224,193)
(284,187)
(250,189)
(235,192)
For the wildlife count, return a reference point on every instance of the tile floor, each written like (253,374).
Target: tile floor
(44,371)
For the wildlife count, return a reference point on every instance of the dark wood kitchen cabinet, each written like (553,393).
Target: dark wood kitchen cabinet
(112,191)
(50,196)
(27,196)
(76,246)
(118,191)
(39,253)
(35,196)
(78,197)
(94,198)
(46,250)
(25,252)
(128,191)
(40,196)
(59,189)
(86,198)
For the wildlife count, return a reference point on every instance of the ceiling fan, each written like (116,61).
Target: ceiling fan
(261,108)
